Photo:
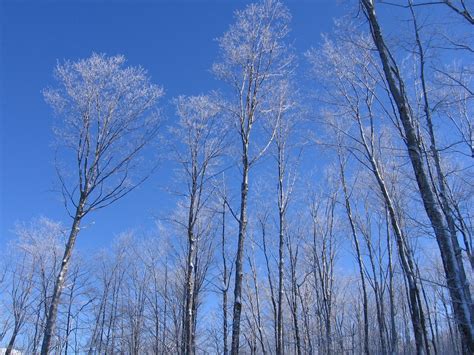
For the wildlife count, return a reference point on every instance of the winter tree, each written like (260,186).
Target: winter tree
(253,58)
(107,117)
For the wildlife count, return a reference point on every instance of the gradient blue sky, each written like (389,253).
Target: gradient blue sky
(173,40)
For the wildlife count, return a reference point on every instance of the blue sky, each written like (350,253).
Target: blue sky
(173,40)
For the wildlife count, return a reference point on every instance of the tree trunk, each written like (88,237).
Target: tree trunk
(393,329)
(377,296)
(188,339)
(359,258)
(61,279)
(11,343)
(280,288)
(281,240)
(408,268)
(225,286)
(240,255)
(294,300)
(270,281)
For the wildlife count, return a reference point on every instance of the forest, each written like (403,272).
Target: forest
(324,199)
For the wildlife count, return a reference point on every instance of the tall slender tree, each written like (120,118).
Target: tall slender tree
(107,119)
(203,146)
(254,57)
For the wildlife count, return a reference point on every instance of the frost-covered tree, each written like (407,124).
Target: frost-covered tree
(30,262)
(107,118)
(254,57)
(201,133)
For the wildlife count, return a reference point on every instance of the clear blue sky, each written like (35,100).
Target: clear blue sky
(173,40)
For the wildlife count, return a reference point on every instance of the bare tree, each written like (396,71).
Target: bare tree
(253,57)
(322,258)
(286,121)
(106,123)
(31,257)
(342,159)
(20,293)
(203,146)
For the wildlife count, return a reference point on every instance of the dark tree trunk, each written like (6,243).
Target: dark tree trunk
(11,343)
(240,254)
